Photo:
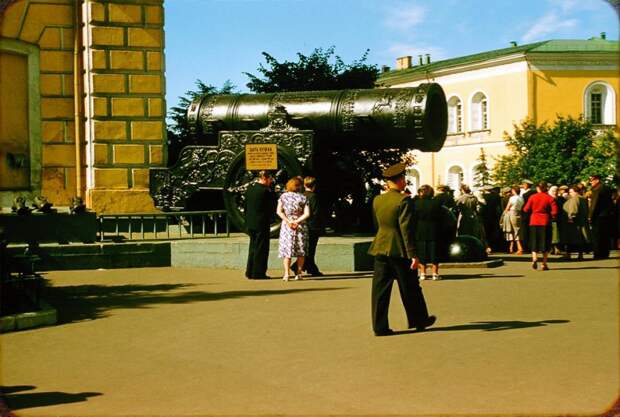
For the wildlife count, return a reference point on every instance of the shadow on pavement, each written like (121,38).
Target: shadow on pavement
(476,276)
(90,302)
(40,399)
(581,267)
(492,326)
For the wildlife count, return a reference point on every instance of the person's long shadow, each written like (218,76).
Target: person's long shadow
(476,276)
(89,302)
(40,399)
(491,326)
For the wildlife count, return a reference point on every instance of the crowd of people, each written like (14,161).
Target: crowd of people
(411,235)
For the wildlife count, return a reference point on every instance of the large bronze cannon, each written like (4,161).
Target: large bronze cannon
(312,131)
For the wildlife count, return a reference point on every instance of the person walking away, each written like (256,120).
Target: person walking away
(427,213)
(260,202)
(315,226)
(294,211)
(526,192)
(445,196)
(600,217)
(394,254)
(576,231)
(469,222)
(512,222)
(561,220)
(542,209)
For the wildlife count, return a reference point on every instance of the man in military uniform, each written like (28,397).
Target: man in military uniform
(260,204)
(393,249)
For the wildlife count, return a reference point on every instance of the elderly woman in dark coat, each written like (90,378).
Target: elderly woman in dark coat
(576,231)
(427,214)
(469,222)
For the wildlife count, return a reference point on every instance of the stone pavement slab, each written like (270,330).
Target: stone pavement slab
(166,341)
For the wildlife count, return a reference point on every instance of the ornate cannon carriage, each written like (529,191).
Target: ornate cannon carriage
(313,132)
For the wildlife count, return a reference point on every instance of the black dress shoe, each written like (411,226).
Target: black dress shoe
(386,332)
(428,323)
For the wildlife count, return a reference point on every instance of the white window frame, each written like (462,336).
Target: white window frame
(608,102)
(458,118)
(475,109)
(449,166)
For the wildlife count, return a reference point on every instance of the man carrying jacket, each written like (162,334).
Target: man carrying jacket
(393,249)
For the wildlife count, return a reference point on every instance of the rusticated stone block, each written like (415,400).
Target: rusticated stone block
(146,131)
(144,84)
(156,107)
(128,154)
(110,130)
(140,177)
(109,83)
(101,153)
(110,36)
(100,106)
(144,37)
(115,178)
(56,61)
(58,155)
(53,131)
(127,107)
(153,61)
(50,38)
(131,60)
(50,84)
(56,108)
(125,13)
(120,201)
(156,154)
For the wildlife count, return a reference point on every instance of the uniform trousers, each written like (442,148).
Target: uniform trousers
(386,269)
(258,254)
(309,262)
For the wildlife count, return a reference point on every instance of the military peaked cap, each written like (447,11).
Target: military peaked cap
(395,170)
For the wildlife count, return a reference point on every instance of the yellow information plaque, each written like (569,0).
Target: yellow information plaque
(261,156)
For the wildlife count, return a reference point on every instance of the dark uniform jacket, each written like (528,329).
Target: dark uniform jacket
(601,203)
(315,221)
(427,213)
(260,204)
(392,213)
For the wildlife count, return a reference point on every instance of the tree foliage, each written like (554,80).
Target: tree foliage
(482,173)
(179,134)
(319,71)
(566,152)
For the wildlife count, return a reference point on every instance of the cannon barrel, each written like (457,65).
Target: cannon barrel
(404,118)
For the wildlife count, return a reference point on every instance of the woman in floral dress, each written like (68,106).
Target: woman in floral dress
(294,211)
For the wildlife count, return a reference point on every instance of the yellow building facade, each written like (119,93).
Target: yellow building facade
(82,109)
(490,92)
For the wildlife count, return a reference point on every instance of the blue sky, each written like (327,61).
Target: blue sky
(218,40)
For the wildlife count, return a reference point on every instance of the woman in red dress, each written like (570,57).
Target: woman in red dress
(542,209)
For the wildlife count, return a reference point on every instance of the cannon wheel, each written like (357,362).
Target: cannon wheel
(238,179)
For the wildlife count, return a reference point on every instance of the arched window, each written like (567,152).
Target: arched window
(455,115)
(479,112)
(600,100)
(413,180)
(455,177)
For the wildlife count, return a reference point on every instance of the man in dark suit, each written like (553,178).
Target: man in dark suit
(600,217)
(260,202)
(393,249)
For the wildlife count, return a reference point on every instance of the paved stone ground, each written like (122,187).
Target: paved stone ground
(164,341)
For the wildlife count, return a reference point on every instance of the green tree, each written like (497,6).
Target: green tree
(319,71)
(482,173)
(179,134)
(563,153)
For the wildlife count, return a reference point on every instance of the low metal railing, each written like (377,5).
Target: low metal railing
(169,225)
